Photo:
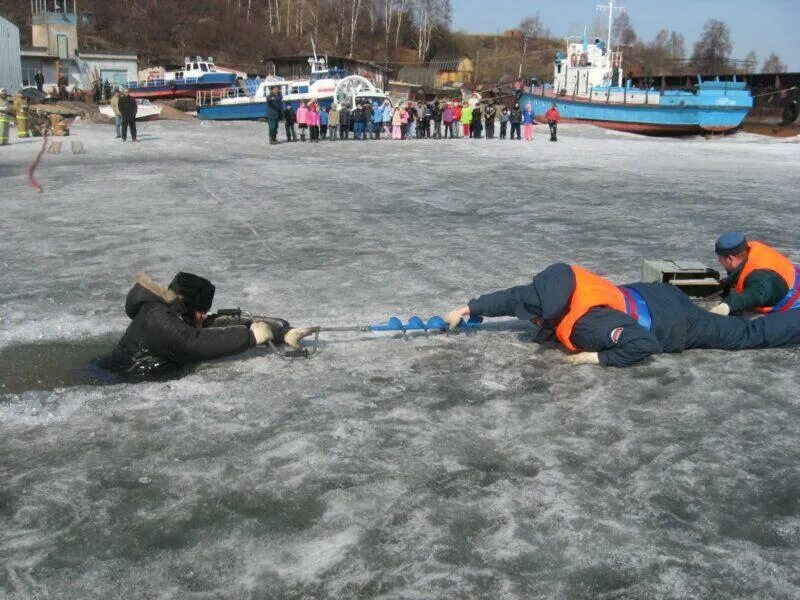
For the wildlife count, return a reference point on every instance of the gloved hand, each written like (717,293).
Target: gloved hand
(294,335)
(721,309)
(584,358)
(261,332)
(454,317)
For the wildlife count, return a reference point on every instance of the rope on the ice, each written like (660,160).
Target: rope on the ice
(31,178)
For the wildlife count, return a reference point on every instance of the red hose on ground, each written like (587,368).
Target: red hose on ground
(31,178)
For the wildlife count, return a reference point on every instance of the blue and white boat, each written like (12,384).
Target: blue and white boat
(588,87)
(326,86)
(196,75)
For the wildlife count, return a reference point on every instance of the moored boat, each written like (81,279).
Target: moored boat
(196,75)
(146,110)
(326,86)
(588,87)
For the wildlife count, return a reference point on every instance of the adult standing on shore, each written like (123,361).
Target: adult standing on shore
(20,106)
(39,79)
(117,114)
(552,117)
(128,109)
(274,112)
(5,116)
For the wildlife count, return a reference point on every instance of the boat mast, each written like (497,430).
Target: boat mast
(610,8)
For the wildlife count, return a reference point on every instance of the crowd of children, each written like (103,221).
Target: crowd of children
(410,120)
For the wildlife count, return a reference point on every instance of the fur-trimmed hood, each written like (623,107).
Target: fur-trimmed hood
(147,289)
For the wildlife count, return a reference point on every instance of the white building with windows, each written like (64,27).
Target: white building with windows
(10,66)
(55,53)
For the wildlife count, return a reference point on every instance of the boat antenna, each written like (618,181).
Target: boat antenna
(314,48)
(610,8)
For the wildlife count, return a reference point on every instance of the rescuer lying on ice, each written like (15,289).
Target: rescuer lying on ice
(170,327)
(759,277)
(621,326)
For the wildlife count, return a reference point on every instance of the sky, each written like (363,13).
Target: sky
(761,25)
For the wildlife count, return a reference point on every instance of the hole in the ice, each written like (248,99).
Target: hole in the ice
(57,363)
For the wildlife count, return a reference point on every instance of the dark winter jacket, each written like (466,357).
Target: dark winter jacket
(516,115)
(275,106)
(128,108)
(289,115)
(162,333)
(357,116)
(345,117)
(490,114)
(437,113)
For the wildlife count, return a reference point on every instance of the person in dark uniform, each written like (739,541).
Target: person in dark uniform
(170,327)
(621,326)
(274,112)
(759,277)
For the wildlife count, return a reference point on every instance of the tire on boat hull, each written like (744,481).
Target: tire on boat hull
(790,112)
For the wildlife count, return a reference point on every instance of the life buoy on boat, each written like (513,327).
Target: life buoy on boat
(573,59)
(790,112)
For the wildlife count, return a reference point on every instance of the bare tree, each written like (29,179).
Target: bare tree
(773,64)
(428,15)
(622,31)
(714,47)
(751,62)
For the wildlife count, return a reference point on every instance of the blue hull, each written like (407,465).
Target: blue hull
(714,109)
(180,88)
(248,111)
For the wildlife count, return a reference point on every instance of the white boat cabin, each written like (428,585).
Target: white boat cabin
(192,69)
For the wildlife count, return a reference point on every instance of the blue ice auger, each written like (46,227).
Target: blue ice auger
(433,325)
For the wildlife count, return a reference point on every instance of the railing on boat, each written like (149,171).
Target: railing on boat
(162,82)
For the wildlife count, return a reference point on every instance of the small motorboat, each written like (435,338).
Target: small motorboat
(147,111)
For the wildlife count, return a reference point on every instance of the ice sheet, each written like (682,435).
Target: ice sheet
(448,467)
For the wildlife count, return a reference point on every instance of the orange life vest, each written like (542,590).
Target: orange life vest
(760,256)
(590,291)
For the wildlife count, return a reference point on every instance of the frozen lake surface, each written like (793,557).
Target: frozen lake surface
(451,467)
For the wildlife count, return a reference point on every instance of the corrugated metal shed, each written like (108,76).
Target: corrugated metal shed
(10,63)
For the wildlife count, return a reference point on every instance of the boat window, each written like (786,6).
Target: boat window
(194,66)
(188,66)
(204,67)
(212,69)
